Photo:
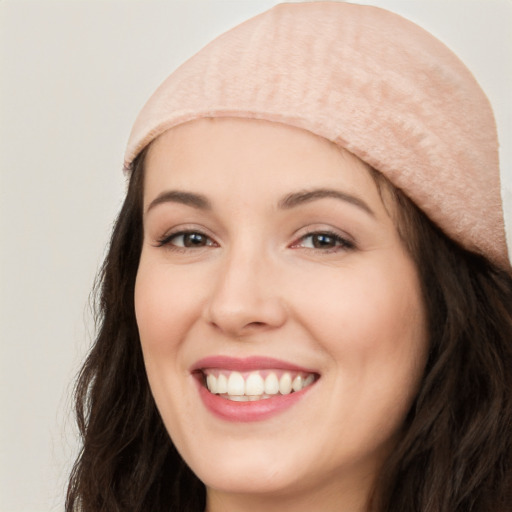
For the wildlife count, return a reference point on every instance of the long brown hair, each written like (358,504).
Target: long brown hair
(455,451)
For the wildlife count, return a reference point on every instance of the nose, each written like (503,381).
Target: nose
(245,297)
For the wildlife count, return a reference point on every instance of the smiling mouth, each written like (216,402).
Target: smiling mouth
(256,385)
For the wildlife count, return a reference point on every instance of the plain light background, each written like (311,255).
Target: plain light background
(73,75)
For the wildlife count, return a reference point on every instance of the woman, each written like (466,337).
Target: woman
(306,302)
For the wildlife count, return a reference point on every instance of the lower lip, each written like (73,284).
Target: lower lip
(258,410)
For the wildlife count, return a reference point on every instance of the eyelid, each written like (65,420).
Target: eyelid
(165,240)
(344,240)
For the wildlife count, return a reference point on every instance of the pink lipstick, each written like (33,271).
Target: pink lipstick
(250,389)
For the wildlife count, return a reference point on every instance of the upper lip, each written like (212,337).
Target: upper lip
(247,364)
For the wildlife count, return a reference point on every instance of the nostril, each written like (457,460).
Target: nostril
(239,315)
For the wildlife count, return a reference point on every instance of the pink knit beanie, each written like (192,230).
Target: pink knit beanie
(371,82)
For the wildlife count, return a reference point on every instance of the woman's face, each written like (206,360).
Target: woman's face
(272,272)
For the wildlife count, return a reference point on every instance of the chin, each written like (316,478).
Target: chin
(248,470)
(251,479)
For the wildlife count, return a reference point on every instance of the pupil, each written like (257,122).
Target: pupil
(323,241)
(193,240)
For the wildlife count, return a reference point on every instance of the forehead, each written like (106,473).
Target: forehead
(248,157)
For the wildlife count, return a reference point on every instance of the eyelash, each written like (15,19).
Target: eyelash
(166,240)
(340,243)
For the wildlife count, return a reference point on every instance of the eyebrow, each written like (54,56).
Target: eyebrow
(307,196)
(176,196)
(292,200)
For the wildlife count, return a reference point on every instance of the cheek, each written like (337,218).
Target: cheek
(373,326)
(165,309)
(367,305)
(167,304)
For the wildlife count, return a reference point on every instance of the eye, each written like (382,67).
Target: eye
(324,240)
(186,240)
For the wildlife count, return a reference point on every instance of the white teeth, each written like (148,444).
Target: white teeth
(254,385)
(271,384)
(246,398)
(297,383)
(238,398)
(285,384)
(309,380)
(222,384)
(236,384)
(211,383)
